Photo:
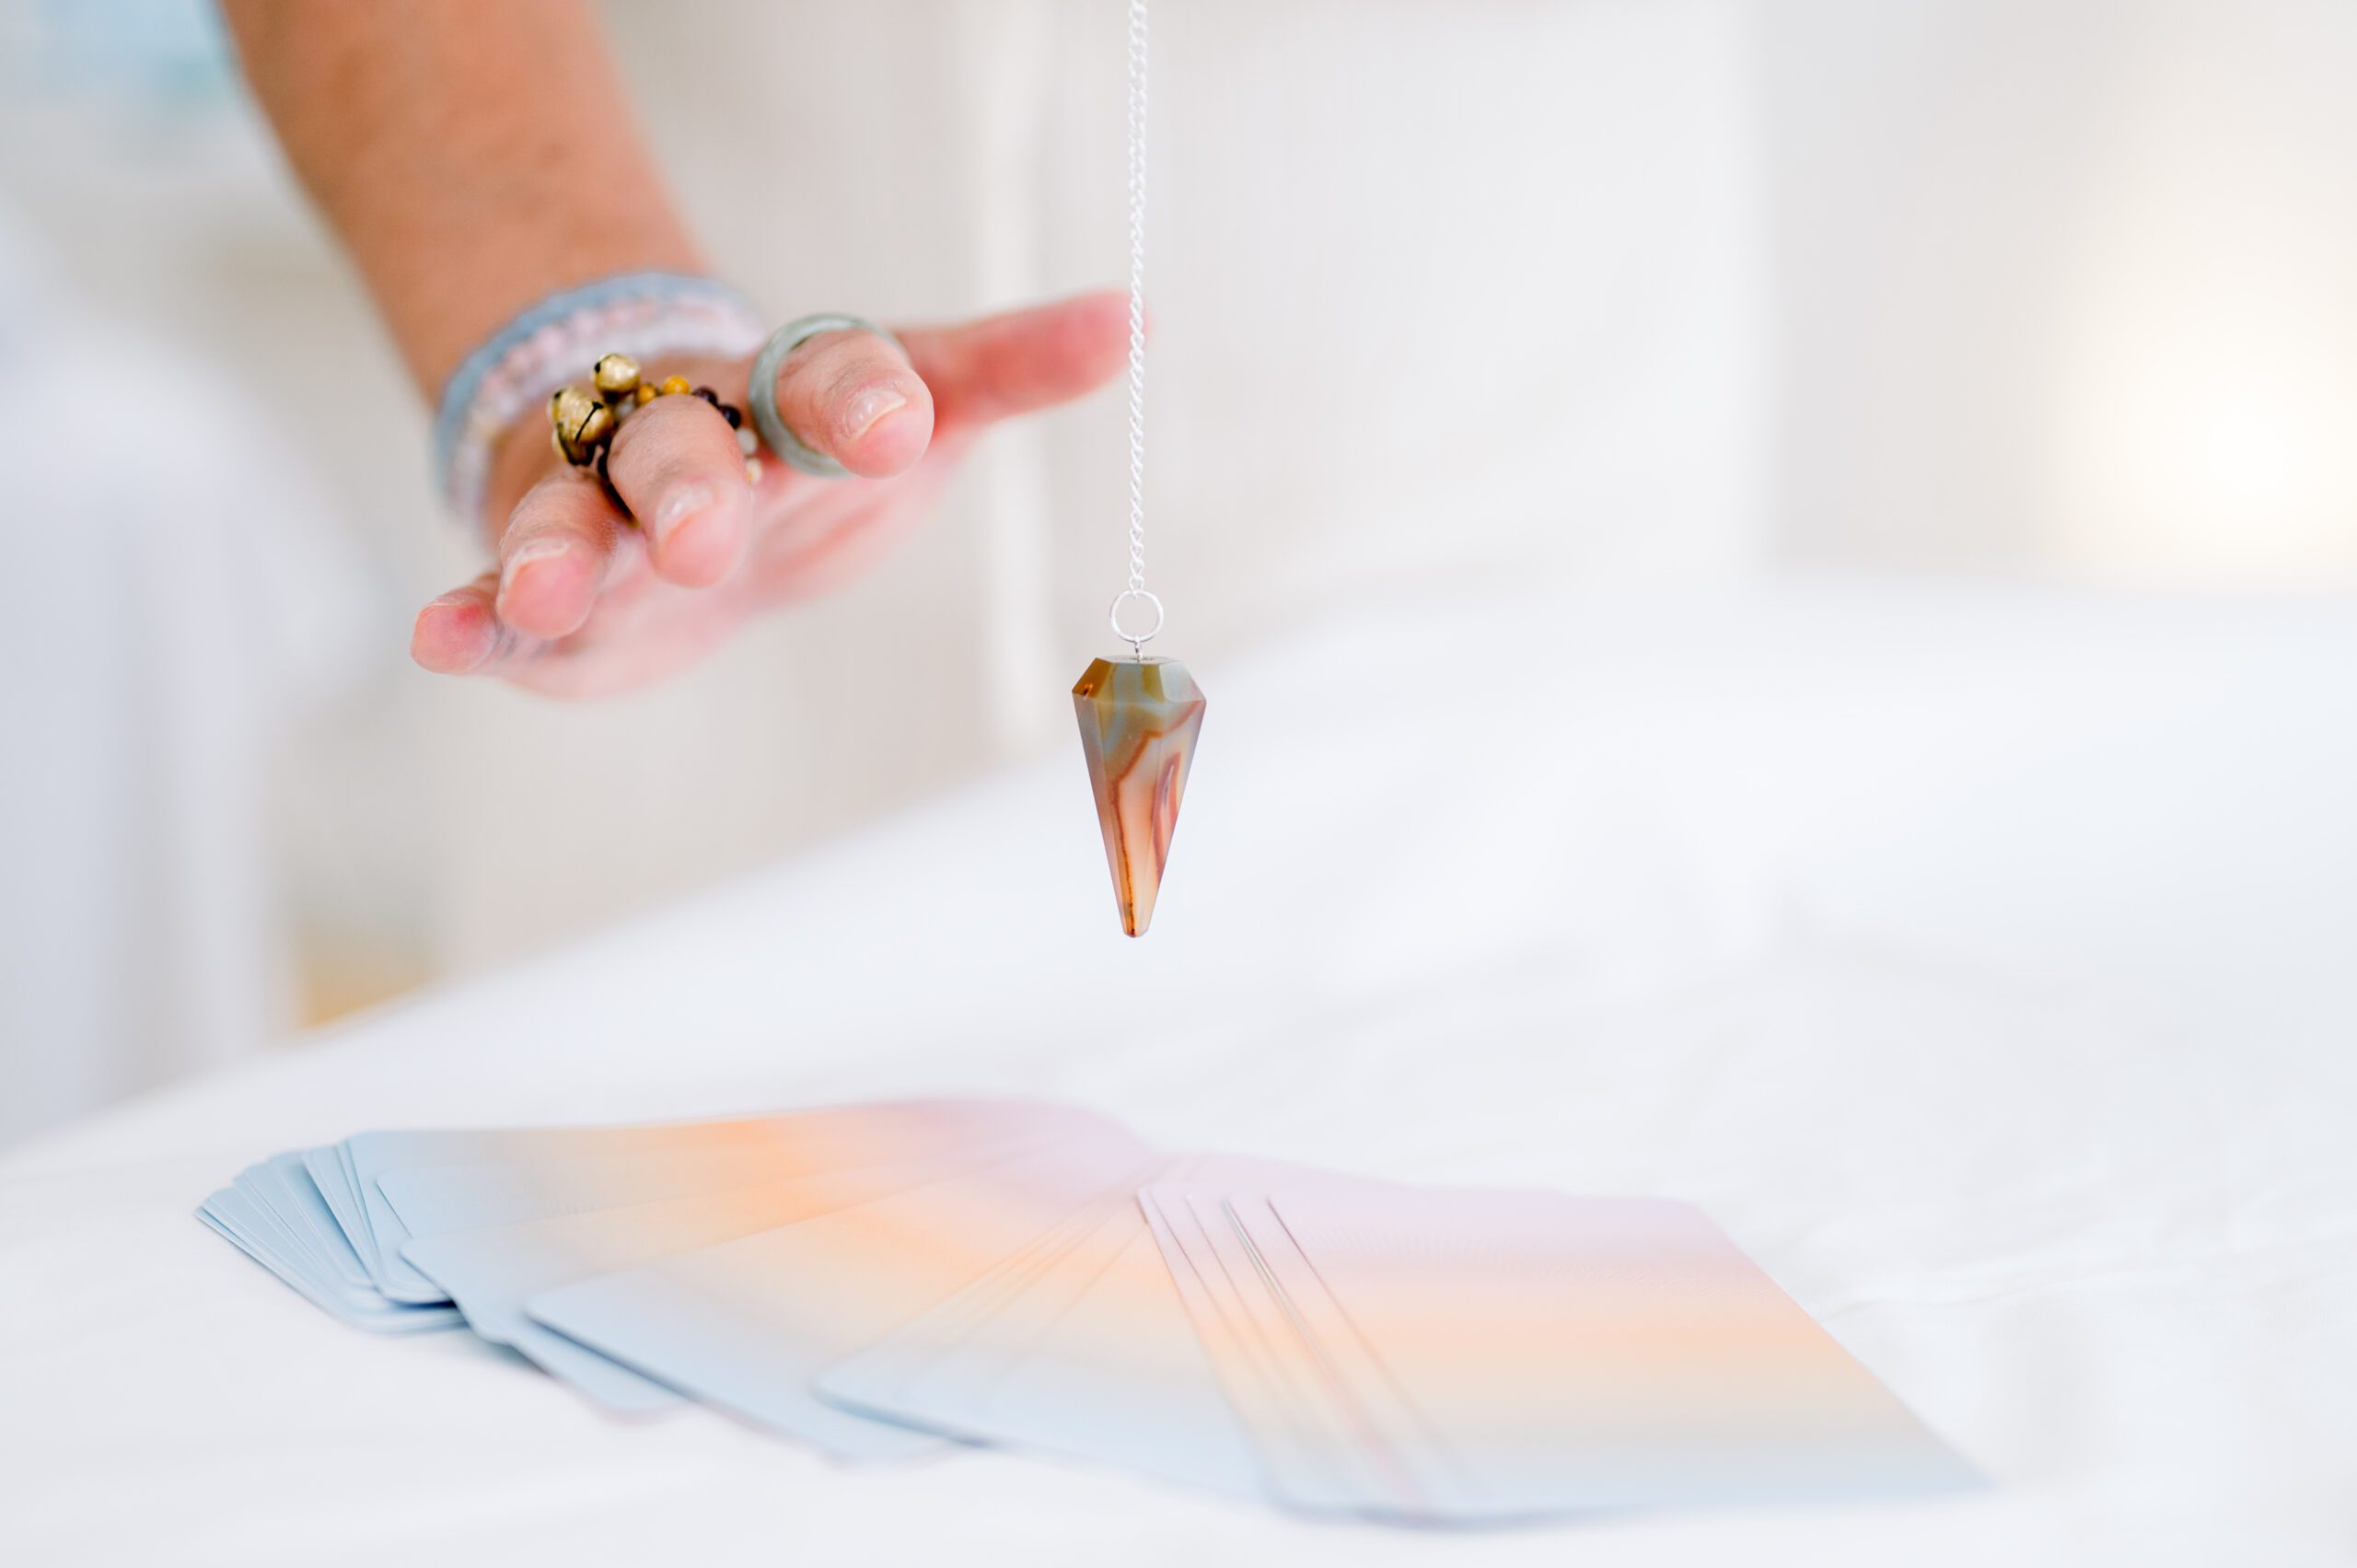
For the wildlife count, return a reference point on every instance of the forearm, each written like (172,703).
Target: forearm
(472,157)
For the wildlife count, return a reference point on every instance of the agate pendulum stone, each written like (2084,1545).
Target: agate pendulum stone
(1138,721)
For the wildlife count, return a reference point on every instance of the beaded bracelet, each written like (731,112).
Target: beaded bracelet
(583,424)
(648,315)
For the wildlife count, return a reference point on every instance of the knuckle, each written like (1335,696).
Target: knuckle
(574,505)
(643,431)
(656,444)
(840,362)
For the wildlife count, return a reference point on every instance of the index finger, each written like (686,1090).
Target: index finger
(1023,361)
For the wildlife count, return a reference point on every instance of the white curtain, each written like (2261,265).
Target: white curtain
(176,595)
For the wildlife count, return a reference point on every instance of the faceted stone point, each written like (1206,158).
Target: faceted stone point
(1138,723)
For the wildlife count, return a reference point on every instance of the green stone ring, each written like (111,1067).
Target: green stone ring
(763,393)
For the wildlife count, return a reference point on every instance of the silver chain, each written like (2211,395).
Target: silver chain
(1137,336)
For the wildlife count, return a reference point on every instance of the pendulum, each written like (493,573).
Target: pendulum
(1138,721)
(1138,716)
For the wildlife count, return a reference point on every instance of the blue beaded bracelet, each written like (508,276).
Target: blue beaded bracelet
(645,315)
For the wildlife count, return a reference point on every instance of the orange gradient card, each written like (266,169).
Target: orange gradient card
(897,1279)
(746,1324)
(1483,1356)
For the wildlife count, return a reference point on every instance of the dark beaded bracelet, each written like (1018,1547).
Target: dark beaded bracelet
(584,423)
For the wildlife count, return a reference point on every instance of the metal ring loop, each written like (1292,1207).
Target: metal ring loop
(763,393)
(1113,618)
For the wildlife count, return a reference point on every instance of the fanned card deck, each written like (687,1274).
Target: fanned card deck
(884,1281)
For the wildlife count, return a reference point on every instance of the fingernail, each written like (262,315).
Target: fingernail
(528,552)
(678,504)
(440,644)
(869,406)
(538,549)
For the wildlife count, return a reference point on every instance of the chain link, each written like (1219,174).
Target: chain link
(1137,305)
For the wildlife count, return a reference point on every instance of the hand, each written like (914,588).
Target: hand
(584,602)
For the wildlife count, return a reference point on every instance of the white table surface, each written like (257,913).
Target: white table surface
(1985,960)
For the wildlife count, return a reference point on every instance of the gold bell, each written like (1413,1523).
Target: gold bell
(568,406)
(580,421)
(596,427)
(617,375)
(579,414)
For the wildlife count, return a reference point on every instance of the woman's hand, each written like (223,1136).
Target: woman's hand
(444,141)
(584,602)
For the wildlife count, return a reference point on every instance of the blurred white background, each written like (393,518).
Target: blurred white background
(1606,291)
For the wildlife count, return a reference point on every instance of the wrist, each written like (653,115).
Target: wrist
(656,318)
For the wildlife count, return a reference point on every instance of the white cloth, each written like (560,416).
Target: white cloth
(1979,959)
